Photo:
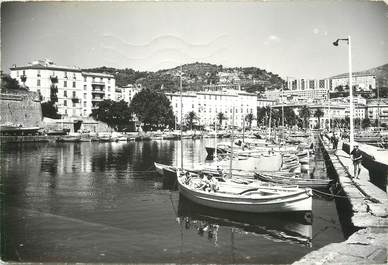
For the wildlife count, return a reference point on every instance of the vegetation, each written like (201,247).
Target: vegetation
(318,114)
(305,116)
(153,109)
(221,117)
(116,115)
(249,118)
(8,84)
(196,75)
(191,118)
(50,110)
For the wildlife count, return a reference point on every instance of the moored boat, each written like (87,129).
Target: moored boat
(245,198)
(293,180)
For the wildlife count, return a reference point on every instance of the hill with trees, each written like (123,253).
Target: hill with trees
(195,76)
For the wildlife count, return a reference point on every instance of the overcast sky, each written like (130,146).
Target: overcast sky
(288,38)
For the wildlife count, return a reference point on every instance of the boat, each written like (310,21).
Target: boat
(165,170)
(241,197)
(293,179)
(73,139)
(290,228)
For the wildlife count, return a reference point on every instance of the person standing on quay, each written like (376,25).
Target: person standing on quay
(357,158)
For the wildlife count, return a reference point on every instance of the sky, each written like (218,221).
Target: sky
(289,38)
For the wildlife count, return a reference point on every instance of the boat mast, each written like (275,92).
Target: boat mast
(269,123)
(231,145)
(215,140)
(180,86)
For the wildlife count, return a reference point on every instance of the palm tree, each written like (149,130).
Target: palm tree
(249,118)
(289,116)
(318,114)
(221,117)
(305,115)
(191,117)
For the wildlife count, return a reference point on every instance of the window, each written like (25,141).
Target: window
(65,93)
(38,82)
(17,73)
(84,104)
(108,88)
(84,87)
(74,77)
(74,84)
(85,95)
(65,83)
(74,95)
(38,73)
(24,72)
(65,74)
(65,102)
(84,78)
(73,104)
(108,80)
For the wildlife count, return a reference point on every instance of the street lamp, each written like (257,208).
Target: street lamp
(348,40)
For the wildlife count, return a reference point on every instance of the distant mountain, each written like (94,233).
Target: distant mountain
(195,76)
(380,72)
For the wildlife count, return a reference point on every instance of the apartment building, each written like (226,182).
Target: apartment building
(78,92)
(207,105)
(360,81)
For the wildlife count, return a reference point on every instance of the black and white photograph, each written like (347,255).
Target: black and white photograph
(194,132)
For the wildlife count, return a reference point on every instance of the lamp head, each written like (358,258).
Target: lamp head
(336,42)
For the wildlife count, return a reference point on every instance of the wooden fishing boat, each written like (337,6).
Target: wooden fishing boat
(161,169)
(293,180)
(251,197)
(292,228)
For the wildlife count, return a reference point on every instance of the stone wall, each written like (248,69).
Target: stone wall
(20,108)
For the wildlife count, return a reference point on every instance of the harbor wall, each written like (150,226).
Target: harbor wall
(20,108)
(365,211)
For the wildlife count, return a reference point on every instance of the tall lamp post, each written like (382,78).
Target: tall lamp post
(351,138)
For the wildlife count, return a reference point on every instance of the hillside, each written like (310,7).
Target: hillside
(195,76)
(380,72)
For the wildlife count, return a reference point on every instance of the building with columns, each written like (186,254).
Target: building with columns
(78,92)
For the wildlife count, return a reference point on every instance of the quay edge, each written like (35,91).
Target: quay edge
(368,216)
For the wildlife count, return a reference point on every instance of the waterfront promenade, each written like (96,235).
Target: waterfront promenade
(369,214)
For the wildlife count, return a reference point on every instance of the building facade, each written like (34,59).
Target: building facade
(77,92)
(360,81)
(208,104)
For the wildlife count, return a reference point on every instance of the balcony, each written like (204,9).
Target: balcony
(98,91)
(100,83)
(97,99)
(75,100)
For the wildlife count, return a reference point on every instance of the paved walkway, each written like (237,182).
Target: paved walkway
(369,205)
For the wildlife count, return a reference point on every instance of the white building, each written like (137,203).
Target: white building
(360,81)
(128,92)
(300,95)
(307,84)
(207,105)
(78,92)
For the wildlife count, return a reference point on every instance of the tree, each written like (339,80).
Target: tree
(191,117)
(289,116)
(249,118)
(262,115)
(50,110)
(153,109)
(220,117)
(116,114)
(8,83)
(305,115)
(318,114)
(366,123)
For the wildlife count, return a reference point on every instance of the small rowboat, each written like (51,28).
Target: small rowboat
(293,180)
(253,197)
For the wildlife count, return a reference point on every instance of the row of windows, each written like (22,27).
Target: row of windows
(66,76)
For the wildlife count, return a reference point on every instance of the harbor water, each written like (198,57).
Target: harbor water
(103,202)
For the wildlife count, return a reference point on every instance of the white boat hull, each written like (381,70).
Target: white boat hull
(299,200)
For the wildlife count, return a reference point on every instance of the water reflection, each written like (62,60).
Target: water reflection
(291,228)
